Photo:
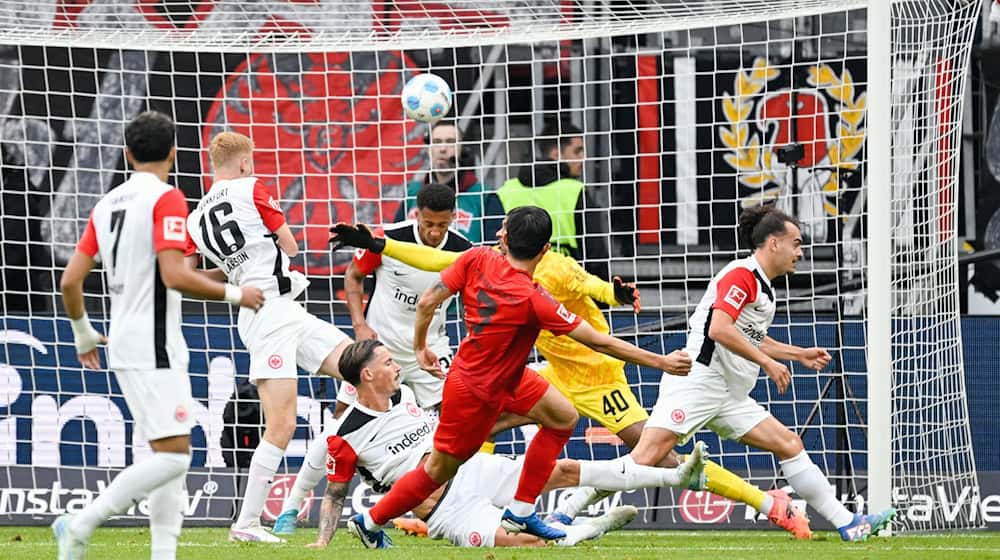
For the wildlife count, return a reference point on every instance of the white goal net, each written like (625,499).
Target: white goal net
(689,111)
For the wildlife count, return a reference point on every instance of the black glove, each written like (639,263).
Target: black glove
(625,294)
(346,235)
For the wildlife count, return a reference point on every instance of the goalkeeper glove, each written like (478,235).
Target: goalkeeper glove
(84,335)
(345,235)
(626,294)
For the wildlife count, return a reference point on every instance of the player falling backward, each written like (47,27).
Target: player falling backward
(389,317)
(504,311)
(385,434)
(728,337)
(239,227)
(596,383)
(138,232)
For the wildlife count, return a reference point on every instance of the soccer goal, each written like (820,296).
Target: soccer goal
(846,114)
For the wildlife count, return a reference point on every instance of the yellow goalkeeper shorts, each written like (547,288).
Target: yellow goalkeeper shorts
(613,404)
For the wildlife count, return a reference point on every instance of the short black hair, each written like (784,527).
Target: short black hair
(557,133)
(354,359)
(529,228)
(760,222)
(150,136)
(447,122)
(436,198)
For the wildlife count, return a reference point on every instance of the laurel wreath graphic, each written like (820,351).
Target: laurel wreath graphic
(756,164)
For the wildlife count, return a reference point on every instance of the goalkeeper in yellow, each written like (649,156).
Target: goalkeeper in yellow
(593,382)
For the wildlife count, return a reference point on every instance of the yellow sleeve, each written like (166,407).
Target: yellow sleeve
(419,256)
(564,278)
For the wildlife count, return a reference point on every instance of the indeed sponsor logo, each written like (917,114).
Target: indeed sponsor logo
(409,439)
(408,299)
(754,334)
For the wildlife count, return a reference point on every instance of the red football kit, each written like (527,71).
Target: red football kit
(504,311)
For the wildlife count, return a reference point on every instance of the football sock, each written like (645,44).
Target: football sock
(725,483)
(409,492)
(806,478)
(130,486)
(539,461)
(624,474)
(263,465)
(166,515)
(313,468)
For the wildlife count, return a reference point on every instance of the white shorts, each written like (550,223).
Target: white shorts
(283,335)
(426,388)
(703,399)
(474,501)
(159,400)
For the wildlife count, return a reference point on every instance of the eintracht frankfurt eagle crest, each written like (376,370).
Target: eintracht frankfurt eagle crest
(829,123)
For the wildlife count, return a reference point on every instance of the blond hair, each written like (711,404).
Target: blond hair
(226,147)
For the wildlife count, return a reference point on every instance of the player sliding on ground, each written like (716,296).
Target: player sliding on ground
(504,313)
(240,227)
(384,434)
(594,383)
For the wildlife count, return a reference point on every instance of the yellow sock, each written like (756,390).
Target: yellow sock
(488,447)
(726,484)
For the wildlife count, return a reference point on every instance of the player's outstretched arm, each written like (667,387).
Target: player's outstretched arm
(84,334)
(676,363)
(329,513)
(213,274)
(723,330)
(177,275)
(813,358)
(417,256)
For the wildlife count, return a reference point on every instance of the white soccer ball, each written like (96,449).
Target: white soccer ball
(426,98)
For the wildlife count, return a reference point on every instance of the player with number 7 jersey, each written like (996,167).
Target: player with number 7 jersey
(239,227)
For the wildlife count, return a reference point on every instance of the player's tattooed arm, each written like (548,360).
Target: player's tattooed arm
(429,301)
(330,511)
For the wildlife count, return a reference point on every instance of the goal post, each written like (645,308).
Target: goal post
(846,114)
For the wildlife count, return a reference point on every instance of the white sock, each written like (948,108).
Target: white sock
(580,499)
(624,474)
(369,522)
(130,486)
(521,509)
(313,468)
(263,465)
(166,514)
(806,478)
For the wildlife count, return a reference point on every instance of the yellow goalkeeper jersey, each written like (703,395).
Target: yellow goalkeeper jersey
(574,364)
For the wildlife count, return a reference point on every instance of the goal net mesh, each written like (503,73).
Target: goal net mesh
(689,111)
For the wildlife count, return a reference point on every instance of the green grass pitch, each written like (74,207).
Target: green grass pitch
(32,543)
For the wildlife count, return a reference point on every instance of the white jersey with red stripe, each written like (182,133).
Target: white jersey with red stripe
(128,227)
(392,308)
(233,226)
(380,446)
(742,290)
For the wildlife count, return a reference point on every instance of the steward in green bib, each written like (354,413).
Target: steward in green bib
(553,184)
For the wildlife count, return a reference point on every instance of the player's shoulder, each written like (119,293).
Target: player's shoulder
(353,420)
(404,231)
(456,242)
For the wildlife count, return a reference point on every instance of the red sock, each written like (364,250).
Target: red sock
(408,492)
(539,461)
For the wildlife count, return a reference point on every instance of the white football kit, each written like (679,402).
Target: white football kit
(233,227)
(146,347)
(392,308)
(383,446)
(716,392)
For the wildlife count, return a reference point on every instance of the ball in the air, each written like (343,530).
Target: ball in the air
(426,98)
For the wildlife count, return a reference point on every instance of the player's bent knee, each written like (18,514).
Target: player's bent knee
(791,446)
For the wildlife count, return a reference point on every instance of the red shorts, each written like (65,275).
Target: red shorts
(466,421)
